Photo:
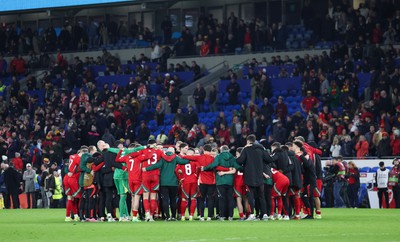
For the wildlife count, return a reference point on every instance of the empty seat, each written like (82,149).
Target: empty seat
(365,169)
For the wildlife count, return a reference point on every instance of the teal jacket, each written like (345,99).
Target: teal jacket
(227,160)
(167,166)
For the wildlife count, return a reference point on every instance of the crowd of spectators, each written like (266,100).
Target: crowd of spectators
(333,114)
(72,36)
(341,23)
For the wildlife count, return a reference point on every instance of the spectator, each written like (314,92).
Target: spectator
(156,52)
(212,98)
(174,95)
(362,147)
(191,117)
(335,148)
(17,161)
(233,90)
(199,96)
(395,143)
(281,109)
(143,133)
(161,109)
(279,133)
(384,148)
(309,102)
(166,27)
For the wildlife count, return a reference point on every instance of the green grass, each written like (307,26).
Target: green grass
(336,225)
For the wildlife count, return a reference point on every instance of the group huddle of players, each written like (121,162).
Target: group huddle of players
(164,182)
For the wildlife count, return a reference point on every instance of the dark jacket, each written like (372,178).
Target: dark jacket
(252,159)
(107,173)
(282,162)
(318,166)
(384,148)
(309,177)
(296,172)
(12,180)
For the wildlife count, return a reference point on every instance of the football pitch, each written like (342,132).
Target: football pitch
(336,225)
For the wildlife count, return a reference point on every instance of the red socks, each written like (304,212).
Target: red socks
(193,204)
(297,205)
(241,215)
(153,206)
(183,207)
(272,212)
(146,205)
(134,213)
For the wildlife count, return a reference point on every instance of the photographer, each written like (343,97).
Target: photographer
(338,173)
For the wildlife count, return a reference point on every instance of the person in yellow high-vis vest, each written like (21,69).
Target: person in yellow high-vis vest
(57,195)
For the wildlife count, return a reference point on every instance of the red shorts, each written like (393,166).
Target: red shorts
(294,191)
(280,189)
(150,183)
(190,190)
(71,187)
(239,190)
(318,188)
(135,187)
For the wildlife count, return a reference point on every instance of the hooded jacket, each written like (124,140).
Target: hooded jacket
(227,160)
(252,159)
(296,181)
(167,166)
(282,162)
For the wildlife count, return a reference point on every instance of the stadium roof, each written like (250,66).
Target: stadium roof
(24,5)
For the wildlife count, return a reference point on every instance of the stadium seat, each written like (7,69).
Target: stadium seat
(365,169)
(374,169)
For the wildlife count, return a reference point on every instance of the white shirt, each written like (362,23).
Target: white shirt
(382,178)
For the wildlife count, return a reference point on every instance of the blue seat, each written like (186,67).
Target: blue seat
(374,169)
(365,169)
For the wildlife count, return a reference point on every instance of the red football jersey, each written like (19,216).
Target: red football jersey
(205,177)
(190,172)
(150,157)
(134,166)
(238,179)
(73,167)
(277,176)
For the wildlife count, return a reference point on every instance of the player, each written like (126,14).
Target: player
(309,178)
(281,185)
(90,164)
(151,179)
(134,166)
(315,156)
(296,183)
(189,188)
(240,190)
(71,185)
(206,181)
